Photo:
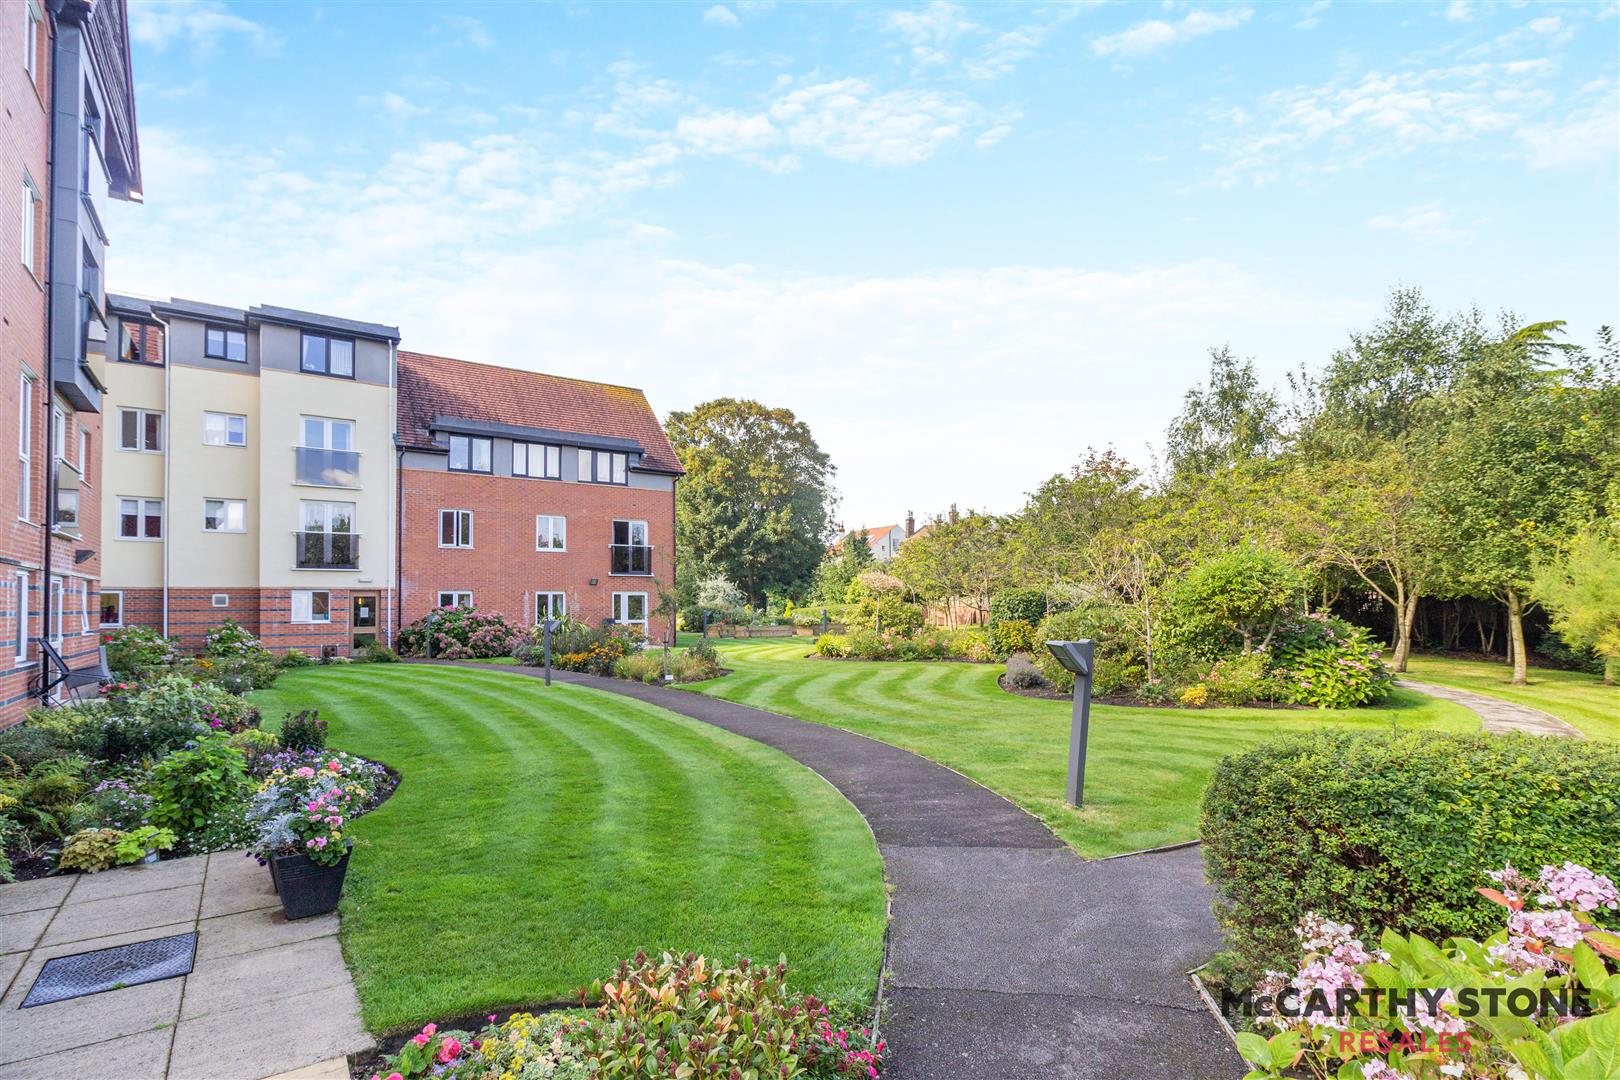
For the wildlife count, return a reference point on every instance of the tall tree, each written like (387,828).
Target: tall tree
(1580,587)
(1521,454)
(964,560)
(756,501)
(1229,419)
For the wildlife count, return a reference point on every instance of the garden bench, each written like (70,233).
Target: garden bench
(72,679)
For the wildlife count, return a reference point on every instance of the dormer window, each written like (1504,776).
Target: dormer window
(328,356)
(223,343)
(603,467)
(469,453)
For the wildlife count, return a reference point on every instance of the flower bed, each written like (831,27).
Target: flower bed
(932,643)
(666,1017)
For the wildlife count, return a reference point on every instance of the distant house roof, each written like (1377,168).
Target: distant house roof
(872,535)
(439,393)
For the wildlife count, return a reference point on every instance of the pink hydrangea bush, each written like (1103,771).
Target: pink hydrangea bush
(1457,1023)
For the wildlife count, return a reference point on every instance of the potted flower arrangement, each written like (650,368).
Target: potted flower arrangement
(301,813)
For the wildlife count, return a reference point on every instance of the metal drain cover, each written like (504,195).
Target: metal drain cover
(109,969)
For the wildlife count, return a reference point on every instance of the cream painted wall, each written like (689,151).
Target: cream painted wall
(197,558)
(285,399)
(133,564)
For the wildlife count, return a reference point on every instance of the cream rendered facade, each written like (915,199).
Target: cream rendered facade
(255,447)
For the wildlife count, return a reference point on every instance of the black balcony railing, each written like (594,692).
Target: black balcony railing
(326,550)
(328,468)
(630,559)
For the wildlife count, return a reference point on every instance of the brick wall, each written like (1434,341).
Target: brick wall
(503,569)
(267,613)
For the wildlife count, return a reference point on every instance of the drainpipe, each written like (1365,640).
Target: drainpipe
(394,509)
(168,426)
(49,379)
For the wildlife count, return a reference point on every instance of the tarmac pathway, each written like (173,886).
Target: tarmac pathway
(1009,955)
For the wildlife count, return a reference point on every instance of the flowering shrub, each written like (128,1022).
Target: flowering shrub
(229,638)
(113,804)
(1323,661)
(303,730)
(459,633)
(1550,945)
(1394,831)
(1012,635)
(174,700)
(138,652)
(929,644)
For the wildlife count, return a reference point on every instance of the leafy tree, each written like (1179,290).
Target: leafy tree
(1241,594)
(1057,531)
(1360,514)
(837,571)
(1580,587)
(755,503)
(1231,418)
(1521,453)
(964,560)
(857,551)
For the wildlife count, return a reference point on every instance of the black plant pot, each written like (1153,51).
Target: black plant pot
(275,876)
(308,888)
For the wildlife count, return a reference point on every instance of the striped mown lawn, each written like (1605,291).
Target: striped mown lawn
(539,835)
(1146,767)
(1573,696)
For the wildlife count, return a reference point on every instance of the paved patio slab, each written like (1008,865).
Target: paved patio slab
(265,996)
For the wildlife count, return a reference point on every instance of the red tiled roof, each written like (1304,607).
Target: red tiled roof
(431,386)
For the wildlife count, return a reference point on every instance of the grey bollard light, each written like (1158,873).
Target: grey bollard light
(549,624)
(1077,656)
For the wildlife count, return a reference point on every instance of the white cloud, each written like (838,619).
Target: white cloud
(931,31)
(1353,120)
(1588,134)
(467,29)
(200,24)
(1311,17)
(1429,223)
(720,15)
(1460,11)
(1154,34)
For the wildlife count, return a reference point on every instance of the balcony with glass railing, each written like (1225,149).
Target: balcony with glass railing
(630,559)
(323,467)
(326,550)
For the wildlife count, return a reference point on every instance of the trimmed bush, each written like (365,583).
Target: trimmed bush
(1022,674)
(1395,831)
(460,633)
(1013,636)
(1119,664)
(1025,605)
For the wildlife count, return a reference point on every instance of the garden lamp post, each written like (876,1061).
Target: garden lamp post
(549,623)
(1077,656)
(430,635)
(823,622)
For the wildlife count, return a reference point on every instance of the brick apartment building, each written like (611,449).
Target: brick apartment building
(67,145)
(532,495)
(249,474)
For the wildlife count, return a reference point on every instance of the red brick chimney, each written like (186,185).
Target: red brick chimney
(911,525)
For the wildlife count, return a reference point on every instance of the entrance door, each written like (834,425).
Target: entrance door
(363,618)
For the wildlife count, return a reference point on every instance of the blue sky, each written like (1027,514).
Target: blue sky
(964,241)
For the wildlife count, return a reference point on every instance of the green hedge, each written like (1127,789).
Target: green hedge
(1396,831)
(1009,605)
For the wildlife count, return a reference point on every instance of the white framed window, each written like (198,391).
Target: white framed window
(311,606)
(59,431)
(224,429)
(537,460)
(455,528)
(84,453)
(223,343)
(140,519)
(324,433)
(140,430)
(470,453)
(21,654)
(112,607)
(327,517)
(549,605)
(603,467)
(220,599)
(84,606)
(25,447)
(33,40)
(550,532)
(31,204)
(455,598)
(630,609)
(225,515)
(57,597)
(629,553)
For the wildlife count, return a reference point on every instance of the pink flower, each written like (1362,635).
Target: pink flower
(421,1040)
(430,1029)
(448,1050)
